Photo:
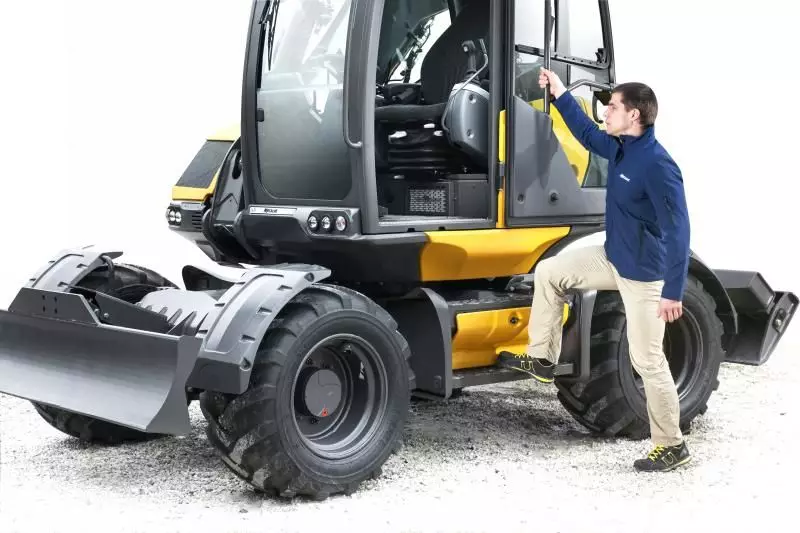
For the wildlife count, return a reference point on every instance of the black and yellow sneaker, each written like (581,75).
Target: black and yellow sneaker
(540,369)
(664,458)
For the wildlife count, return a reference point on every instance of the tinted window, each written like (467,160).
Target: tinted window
(302,153)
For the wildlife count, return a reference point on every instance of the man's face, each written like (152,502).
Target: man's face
(617,119)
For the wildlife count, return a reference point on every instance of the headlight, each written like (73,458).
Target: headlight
(171,216)
(333,222)
(178,217)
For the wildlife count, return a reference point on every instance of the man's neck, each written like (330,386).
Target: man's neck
(634,131)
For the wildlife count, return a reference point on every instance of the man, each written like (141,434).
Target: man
(645,257)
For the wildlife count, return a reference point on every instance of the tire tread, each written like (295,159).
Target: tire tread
(261,462)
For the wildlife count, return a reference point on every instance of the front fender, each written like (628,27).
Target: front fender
(232,326)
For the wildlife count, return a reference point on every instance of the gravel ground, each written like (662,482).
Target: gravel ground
(503,457)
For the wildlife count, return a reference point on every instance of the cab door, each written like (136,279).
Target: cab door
(551,179)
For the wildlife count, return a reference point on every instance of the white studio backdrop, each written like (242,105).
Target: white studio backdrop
(103,104)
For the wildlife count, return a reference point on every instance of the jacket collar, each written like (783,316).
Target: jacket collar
(645,138)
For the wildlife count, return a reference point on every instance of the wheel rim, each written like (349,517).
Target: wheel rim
(683,348)
(339,396)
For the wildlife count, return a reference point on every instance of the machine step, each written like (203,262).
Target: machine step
(471,377)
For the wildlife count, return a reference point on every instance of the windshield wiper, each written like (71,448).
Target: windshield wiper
(269,17)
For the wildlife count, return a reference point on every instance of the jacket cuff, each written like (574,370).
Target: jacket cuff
(562,99)
(673,290)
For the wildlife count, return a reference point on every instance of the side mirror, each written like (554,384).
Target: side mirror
(604,96)
(600,100)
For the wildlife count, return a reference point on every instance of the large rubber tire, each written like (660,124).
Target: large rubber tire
(129,283)
(262,435)
(612,402)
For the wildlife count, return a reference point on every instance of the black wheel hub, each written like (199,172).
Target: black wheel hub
(340,396)
(320,392)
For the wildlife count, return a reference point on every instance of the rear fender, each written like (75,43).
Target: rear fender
(726,311)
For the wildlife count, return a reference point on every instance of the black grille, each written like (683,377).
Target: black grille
(428,200)
(197,220)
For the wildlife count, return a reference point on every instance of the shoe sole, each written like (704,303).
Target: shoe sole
(669,468)
(535,376)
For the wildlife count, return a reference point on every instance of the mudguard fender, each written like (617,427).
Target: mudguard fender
(68,268)
(233,329)
(726,311)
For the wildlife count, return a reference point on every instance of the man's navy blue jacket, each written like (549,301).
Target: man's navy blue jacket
(647,221)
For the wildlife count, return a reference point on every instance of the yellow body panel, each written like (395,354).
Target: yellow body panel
(501,141)
(193,194)
(577,155)
(482,335)
(474,254)
(230,133)
(501,193)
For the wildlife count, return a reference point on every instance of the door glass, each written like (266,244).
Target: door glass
(585,34)
(529,24)
(302,153)
(551,173)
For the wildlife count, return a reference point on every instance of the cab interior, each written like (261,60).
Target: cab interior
(432,141)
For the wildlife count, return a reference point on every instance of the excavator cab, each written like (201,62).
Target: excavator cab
(362,119)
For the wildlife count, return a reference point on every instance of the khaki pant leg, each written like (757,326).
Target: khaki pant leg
(583,268)
(645,341)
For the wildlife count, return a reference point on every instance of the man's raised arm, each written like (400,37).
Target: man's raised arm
(582,127)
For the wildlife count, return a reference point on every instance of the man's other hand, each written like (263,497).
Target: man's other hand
(669,310)
(556,85)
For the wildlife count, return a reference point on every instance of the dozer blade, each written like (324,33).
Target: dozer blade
(53,350)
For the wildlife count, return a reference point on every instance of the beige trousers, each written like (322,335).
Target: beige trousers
(589,268)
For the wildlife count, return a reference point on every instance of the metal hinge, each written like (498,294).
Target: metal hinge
(501,174)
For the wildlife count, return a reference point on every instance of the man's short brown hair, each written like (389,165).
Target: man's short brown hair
(639,96)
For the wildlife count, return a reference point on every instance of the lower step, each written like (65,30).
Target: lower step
(472,377)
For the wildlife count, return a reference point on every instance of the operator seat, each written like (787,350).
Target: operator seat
(444,65)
